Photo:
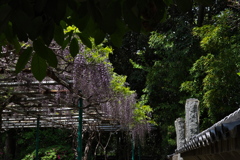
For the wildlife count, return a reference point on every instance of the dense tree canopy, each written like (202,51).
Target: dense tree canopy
(43,21)
(214,76)
(193,51)
(203,41)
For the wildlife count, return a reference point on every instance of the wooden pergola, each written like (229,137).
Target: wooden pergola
(34,104)
(26,106)
(53,102)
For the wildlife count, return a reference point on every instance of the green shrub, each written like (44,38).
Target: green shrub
(52,153)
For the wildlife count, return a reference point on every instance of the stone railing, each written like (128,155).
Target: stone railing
(219,142)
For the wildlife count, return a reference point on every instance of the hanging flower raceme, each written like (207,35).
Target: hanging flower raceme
(90,71)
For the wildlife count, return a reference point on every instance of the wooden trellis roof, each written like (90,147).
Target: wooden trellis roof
(39,100)
(54,99)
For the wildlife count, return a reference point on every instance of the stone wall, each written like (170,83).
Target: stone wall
(185,129)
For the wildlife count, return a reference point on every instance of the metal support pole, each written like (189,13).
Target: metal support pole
(139,151)
(79,148)
(37,137)
(133,146)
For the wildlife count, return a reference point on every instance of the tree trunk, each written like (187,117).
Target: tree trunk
(1,110)
(10,145)
(2,140)
(88,145)
(3,106)
(123,146)
(95,152)
(74,141)
(201,14)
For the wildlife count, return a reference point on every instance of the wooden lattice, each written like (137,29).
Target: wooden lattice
(27,100)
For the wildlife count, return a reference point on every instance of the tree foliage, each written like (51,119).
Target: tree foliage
(175,52)
(54,143)
(42,21)
(214,76)
(92,73)
(166,60)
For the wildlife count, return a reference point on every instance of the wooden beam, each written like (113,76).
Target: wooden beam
(12,84)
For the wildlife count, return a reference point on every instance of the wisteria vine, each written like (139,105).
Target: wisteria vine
(92,73)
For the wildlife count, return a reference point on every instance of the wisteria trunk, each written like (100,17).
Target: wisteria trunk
(10,145)
(88,145)
(1,110)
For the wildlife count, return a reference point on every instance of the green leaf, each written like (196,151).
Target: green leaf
(80,23)
(39,6)
(48,32)
(22,36)
(23,59)
(4,11)
(74,47)
(67,40)
(16,44)
(11,37)
(3,25)
(45,52)
(117,36)
(39,47)
(38,67)
(130,17)
(36,27)
(99,36)
(52,59)
(60,10)
(2,39)
(85,40)
(168,2)
(107,21)
(206,2)
(5,14)
(184,5)
(59,35)
(90,28)
(21,20)
(116,39)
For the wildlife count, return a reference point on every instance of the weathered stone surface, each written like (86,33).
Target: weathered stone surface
(192,117)
(177,157)
(180,132)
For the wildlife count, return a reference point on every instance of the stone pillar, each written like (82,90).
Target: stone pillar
(192,118)
(180,132)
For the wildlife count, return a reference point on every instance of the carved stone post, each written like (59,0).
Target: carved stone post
(192,117)
(180,132)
